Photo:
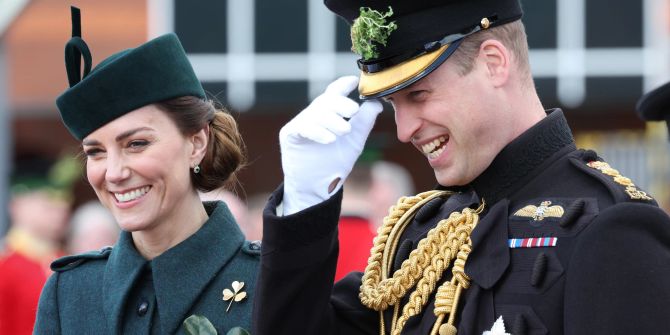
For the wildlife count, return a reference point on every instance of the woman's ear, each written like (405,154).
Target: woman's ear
(496,58)
(199,143)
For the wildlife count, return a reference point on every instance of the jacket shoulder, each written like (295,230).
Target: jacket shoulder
(70,262)
(620,187)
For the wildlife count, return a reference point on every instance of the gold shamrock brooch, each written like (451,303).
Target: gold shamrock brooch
(236,294)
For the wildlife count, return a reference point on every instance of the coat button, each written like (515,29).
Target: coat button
(255,245)
(142,308)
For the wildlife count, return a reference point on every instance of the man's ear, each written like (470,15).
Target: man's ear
(496,59)
(199,142)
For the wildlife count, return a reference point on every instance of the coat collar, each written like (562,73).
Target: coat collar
(123,268)
(180,274)
(520,159)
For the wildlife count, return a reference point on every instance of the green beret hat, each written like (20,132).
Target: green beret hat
(155,71)
(402,41)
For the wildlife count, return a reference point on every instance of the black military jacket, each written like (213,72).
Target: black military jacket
(117,291)
(601,267)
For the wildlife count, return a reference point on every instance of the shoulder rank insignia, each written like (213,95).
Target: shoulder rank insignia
(632,191)
(541,212)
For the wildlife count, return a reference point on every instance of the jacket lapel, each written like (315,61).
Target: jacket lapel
(121,272)
(490,255)
(182,273)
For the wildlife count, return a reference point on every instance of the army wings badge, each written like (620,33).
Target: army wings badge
(541,212)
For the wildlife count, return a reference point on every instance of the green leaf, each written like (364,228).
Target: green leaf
(369,28)
(198,325)
(238,331)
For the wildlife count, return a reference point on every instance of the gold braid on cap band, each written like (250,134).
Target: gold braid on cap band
(449,240)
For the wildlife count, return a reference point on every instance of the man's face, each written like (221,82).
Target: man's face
(41,214)
(459,123)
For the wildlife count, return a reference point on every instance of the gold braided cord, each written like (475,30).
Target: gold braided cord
(444,298)
(378,292)
(401,212)
(450,237)
(449,240)
(405,209)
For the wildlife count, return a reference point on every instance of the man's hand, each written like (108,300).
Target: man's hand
(319,147)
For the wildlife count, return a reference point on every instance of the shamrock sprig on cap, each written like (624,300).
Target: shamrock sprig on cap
(369,28)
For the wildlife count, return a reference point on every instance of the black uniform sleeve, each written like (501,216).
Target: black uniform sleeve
(618,277)
(298,260)
(47,321)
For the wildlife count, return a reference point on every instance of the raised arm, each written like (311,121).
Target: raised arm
(295,293)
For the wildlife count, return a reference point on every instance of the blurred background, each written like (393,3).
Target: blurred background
(266,59)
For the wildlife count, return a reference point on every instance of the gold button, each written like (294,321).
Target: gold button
(485,23)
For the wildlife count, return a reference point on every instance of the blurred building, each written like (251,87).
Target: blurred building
(266,59)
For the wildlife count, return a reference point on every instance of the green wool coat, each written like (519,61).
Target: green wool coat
(117,291)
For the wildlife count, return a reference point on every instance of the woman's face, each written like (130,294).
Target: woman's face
(139,166)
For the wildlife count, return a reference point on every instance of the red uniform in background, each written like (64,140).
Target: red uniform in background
(355,235)
(24,268)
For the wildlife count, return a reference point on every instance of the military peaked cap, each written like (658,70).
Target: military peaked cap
(423,35)
(155,71)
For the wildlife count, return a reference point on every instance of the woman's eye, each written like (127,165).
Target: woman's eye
(92,152)
(138,144)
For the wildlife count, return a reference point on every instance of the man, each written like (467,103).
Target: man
(536,234)
(390,181)
(92,227)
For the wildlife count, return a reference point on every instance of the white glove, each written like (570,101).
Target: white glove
(318,146)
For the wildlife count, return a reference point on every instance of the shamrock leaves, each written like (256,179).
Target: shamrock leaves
(370,28)
(200,325)
(236,294)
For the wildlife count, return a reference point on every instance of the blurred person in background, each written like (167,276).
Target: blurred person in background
(655,105)
(237,207)
(152,140)
(39,210)
(355,232)
(368,193)
(390,181)
(92,227)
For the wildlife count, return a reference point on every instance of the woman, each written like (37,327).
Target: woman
(152,140)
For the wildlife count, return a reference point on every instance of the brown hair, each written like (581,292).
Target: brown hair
(511,35)
(226,153)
